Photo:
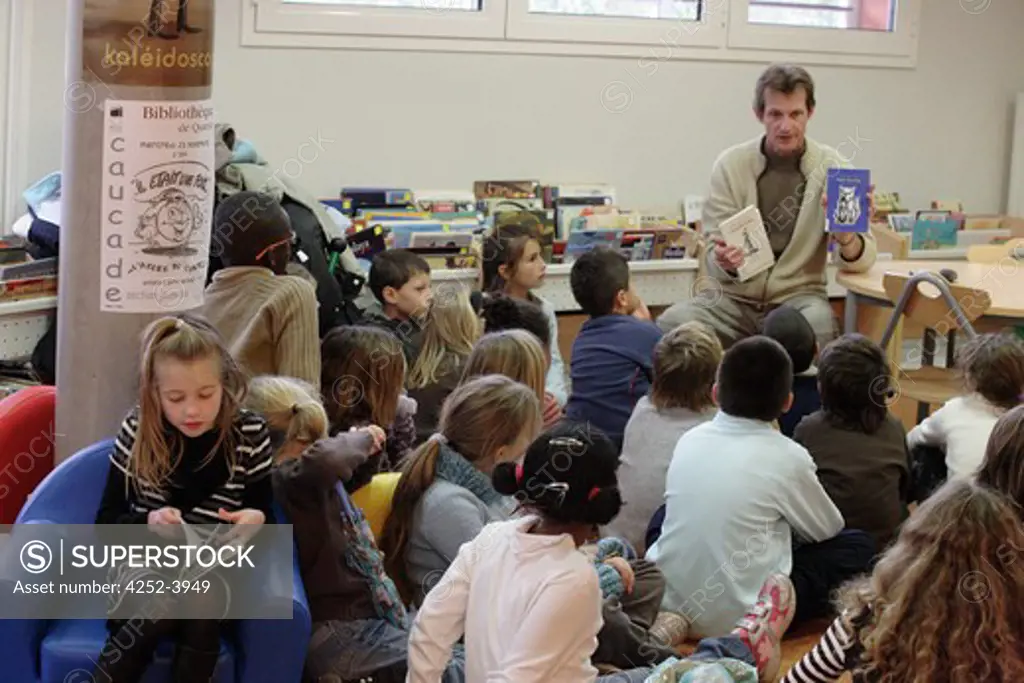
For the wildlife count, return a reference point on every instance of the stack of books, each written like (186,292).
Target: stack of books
(21,276)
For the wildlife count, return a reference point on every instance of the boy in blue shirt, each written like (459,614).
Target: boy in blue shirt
(743,503)
(611,365)
(790,328)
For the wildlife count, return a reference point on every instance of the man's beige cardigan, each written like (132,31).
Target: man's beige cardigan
(801,267)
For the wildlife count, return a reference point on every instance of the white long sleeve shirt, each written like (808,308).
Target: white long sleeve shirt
(961,427)
(529,606)
(736,490)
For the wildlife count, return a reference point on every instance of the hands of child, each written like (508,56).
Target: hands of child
(165,522)
(552,411)
(727,257)
(621,565)
(641,311)
(246,523)
(376,433)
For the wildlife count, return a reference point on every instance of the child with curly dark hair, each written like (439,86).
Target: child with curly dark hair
(942,605)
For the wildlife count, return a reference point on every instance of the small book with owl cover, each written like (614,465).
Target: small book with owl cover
(847,193)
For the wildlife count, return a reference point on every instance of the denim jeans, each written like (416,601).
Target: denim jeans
(341,651)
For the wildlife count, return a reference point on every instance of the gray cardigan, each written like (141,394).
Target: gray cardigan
(446,517)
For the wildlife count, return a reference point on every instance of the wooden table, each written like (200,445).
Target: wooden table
(1004,281)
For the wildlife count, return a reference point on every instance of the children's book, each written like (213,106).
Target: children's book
(582,241)
(746,231)
(935,230)
(847,193)
(693,208)
(901,222)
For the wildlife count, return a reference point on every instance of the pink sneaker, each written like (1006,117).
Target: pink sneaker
(763,626)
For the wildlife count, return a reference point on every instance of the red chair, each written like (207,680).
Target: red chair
(27,443)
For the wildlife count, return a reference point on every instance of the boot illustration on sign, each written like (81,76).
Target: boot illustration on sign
(155,22)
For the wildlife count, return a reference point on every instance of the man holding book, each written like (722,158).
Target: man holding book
(778,179)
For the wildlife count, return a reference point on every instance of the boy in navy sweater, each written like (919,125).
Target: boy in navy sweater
(611,357)
(790,328)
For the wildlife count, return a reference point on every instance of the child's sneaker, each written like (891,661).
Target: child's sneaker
(778,599)
(670,629)
(763,626)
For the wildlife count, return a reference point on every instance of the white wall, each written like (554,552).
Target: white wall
(439,121)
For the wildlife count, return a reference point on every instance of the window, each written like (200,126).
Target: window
(461,5)
(844,14)
(380,18)
(847,32)
(866,32)
(687,10)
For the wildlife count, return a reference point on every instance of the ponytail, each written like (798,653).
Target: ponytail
(291,407)
(418,473)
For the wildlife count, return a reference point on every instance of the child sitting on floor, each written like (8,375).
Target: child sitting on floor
(267,318)
(737,491)
(993,369)
(685,362)
(525,597)
(449,333)
(859,448)
(1003,466)
(400,282)
(611,356)
(501,312)
(362,381)
(444,497)
(943,605)
(360,626)
(512,265)
(790,328)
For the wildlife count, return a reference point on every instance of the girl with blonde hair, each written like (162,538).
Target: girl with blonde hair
(360,626)
(451,329)
(444,497)
(514,353)
(187,453)
(943,604)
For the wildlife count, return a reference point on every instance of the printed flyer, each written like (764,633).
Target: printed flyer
(158,193)
(162,43)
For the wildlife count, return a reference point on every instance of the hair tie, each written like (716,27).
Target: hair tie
(179,323)
(593,493)
(295,409)
(440,438)
(519,474)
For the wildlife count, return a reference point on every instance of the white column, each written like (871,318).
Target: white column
(98,351)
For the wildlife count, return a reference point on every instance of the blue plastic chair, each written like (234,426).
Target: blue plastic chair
(47,651)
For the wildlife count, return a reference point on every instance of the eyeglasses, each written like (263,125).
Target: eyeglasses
(275,245)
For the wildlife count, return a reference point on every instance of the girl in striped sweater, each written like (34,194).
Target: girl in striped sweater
(943,604)
(186,454)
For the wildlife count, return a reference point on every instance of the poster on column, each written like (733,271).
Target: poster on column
(158,192)
(163,43)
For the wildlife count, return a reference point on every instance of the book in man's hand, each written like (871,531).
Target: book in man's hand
(746,231)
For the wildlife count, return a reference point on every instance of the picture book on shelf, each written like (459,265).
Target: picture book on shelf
(746,231)
(935,230)
(582,241)
(847,193)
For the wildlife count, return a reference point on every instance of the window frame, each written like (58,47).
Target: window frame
(507,27)
(431,21)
